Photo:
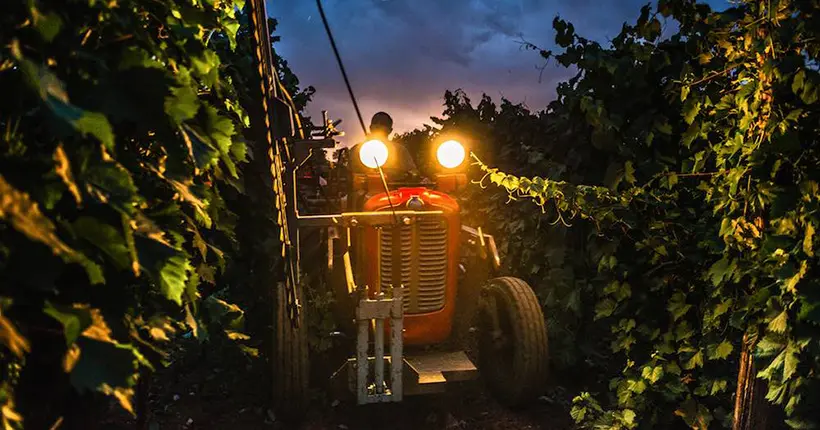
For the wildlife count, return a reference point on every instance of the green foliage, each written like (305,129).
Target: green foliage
(120,137)
(700,227)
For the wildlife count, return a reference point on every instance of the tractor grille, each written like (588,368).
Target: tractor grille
(423,264)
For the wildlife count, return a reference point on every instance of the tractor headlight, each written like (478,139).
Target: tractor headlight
(451,154)
(373,153)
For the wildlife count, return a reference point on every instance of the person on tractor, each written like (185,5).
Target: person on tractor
(381,126)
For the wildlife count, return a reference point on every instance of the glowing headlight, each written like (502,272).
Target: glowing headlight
(450,154)
(373,153)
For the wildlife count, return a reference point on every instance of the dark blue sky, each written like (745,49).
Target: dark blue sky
(401,55)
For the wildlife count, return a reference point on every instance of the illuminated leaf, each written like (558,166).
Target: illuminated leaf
(791,282)
(206,67)
(604,308)
(578,413)
(695,361)
(11,338)
(629,172)
(231,27)
(808,240)
(629,416)
(652,374)
(690,110)
(718,387)
(17,208)
(47,24)
(779,323)
(74,320)
(722,351)
(182,104)
(770,343)
(63,169)
(167,267)
(228,315)
(775,365)
(790,362)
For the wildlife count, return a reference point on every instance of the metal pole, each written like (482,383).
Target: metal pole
(362,363)
(379,351)
(396,342)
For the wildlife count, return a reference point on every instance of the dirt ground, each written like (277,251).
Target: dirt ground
(205,390)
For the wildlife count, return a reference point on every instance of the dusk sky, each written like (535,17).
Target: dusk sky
(401,55)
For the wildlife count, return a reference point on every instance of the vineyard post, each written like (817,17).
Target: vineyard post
(751,408)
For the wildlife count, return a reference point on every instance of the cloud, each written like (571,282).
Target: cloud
(401,55)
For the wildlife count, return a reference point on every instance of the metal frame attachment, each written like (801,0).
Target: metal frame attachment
(485,243)
(374,313)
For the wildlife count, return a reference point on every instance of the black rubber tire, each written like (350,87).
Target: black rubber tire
(291,368)
(517,373)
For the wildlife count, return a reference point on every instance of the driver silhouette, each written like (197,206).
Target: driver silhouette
(381,126)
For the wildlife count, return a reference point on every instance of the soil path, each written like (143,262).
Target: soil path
(201,391)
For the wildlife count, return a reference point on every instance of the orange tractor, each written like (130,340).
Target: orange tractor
(410,279)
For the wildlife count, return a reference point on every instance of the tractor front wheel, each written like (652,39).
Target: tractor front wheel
(513,354)
(290,360)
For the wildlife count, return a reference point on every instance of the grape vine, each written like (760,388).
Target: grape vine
(121,133)
(700,229)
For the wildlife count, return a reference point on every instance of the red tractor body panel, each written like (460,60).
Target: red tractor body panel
(430,257)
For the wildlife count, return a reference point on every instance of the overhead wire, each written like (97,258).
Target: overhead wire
(353,99)
(341,65)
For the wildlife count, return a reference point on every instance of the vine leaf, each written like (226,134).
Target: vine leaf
(808,240)
(106,367)
(652,374)
(182,104)
(94,359)
(779,323)
(109,182)
(768,344)
(629,172)
(203,153)
(25,216)
(54,96)
(695,361)
(63,169)
(47,24)
(74,320)
(206,67)
(173,276)
(604,308)
(810,312)
(691,108)
(694,414)
(790,362)
(12,339)
(226,315)
(104,237)
(629,417)
(722,350)
(677,305)
(719,271)
(167,266)
(231,27)
(221,131)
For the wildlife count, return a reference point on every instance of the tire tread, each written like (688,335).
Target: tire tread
(531,367)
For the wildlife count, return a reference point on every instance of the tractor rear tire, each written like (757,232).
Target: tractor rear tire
(291,368)
(513,354)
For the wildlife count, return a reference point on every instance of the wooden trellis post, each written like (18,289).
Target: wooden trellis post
(751,407)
